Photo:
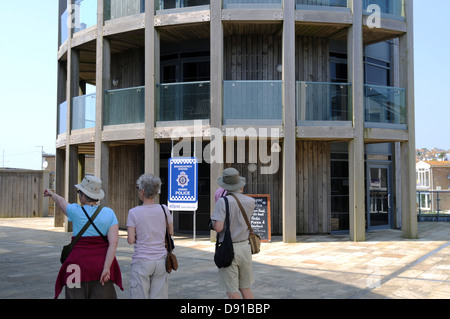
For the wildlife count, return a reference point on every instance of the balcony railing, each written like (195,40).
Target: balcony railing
(115,9)
(384,105)
(387,7)
(62,118)
(84,14)
(318,101)
(246,102)
(83,111)
(252,4)
(183,101)
(304,4)
(124,106)
(173,6)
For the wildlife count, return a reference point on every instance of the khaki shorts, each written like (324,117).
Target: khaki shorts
(240,273)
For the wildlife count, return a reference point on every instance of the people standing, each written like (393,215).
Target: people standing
(92,260)
(147,230)
(238,278)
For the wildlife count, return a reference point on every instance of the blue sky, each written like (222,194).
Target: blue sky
(28,61)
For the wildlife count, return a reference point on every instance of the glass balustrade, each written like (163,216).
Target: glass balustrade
(389,7)
(304,4)
(64,27)
(319,101)
(246,102)
(385,105)
(252,4)
(83,111)
(124,106)
(62,118)
(183,101)
(84,14)
(181,5)
(115,9)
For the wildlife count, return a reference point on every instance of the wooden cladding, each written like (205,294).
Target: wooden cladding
(22,194)
(126,164)
(313,187)
(255,57)
(252,57)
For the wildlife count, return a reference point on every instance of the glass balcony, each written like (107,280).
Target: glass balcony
(384,105)
(252,102)
(320,4)
(85,14)
(318,101)
(115,9)
(252,4)
(83,111)
(124,106)
(183,101)
(62,118)
(64,27)
(387,7)
(173,6)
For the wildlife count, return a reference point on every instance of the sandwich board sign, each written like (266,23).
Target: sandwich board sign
(183,184)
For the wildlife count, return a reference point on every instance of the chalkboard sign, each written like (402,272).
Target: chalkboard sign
(260,220)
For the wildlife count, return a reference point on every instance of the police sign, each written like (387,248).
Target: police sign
(183,184)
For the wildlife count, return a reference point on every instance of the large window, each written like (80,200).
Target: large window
(423,178)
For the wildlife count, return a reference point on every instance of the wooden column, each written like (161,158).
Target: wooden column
(216,100)
(289,143)
(103,82)
(356,145)
(152,57)
(406,48)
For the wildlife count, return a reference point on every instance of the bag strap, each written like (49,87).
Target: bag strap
(227,218)
(243,212)
(169,243)
(86,226)
(91,220)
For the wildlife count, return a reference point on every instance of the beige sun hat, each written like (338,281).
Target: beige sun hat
(91,186)
(230,180)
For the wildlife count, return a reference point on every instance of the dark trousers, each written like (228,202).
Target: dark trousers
(92,290)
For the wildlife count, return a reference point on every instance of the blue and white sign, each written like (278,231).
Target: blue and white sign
(183,184)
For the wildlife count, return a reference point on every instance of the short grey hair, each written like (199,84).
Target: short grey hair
(151,185)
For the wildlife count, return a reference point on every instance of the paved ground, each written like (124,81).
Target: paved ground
(319,267)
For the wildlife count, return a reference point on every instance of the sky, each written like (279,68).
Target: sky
(28,74)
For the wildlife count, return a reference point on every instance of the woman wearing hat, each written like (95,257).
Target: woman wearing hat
(91,268)
(236,279)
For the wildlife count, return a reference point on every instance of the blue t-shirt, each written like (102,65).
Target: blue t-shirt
(104,220)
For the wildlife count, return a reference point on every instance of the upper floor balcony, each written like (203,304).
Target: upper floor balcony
(245,103)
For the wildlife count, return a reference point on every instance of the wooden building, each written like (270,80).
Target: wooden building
(311,100)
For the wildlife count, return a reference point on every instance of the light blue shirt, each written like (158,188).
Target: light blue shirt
(104,220)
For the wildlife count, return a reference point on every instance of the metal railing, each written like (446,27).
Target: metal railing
(433,205)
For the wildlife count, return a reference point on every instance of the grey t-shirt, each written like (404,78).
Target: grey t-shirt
(238,227)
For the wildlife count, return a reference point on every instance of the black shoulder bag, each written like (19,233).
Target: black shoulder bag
(68,248)
(223,257)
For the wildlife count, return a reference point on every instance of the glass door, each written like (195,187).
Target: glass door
(378,197)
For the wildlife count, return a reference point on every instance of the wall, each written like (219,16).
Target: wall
(21,193)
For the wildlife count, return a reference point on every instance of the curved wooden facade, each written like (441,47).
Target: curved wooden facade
(296,83)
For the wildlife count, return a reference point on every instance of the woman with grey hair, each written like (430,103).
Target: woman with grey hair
(146,230)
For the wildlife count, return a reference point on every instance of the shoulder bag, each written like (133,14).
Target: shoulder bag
(224,254)
(254,239)
(68,248)
(171,259)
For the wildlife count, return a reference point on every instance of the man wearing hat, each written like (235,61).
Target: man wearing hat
(236,279)
(94,253)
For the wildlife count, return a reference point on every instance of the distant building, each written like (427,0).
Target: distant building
(433,177)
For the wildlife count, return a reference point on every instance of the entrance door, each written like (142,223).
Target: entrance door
(378,197)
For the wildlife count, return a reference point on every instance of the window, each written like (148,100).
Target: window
(423,178)
(424,201)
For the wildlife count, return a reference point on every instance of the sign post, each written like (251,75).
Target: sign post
(183,185)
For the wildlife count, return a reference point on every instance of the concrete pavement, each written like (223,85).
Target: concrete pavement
(316,267)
